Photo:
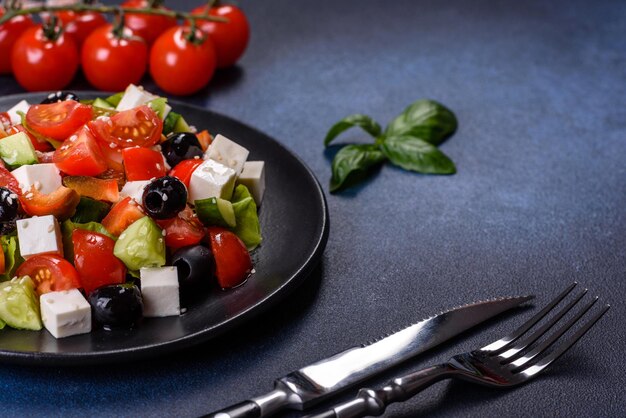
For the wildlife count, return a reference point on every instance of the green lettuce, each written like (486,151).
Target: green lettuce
(12,256)
(248,228)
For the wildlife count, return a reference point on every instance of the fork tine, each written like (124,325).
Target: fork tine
(546,361)
(513,352)
(548,342)
(498,346)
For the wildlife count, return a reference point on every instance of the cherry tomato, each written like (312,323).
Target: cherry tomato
(7,180)
(233,264)
(182,230)
(58,120)
(50,273)
(9,33)
(80,24)
(180,66)
(113,159)
(121,215)
(149,27)
(184,169)
(94,260)
(140,126)
(229,38)
(61,203)
(99,189)
(42,64)
(112,63)
(80,155)
(143,163)
(38,144)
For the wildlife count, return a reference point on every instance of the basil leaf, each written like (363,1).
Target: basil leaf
(368,124)
(353,163)
(416,154)
(424,119)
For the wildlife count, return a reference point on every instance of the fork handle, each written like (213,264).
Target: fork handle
(370,402)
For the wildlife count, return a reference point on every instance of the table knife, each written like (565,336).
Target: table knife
(311,384)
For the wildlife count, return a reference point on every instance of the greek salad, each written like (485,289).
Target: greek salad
(116,209)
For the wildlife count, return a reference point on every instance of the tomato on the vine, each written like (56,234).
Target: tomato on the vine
(80,24)
(182,63)
(149,27)
(9,33)
(58,120)
(137,127)
(229,38)
(40,63)
(111,62)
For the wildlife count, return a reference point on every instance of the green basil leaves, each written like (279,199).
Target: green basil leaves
(409,141)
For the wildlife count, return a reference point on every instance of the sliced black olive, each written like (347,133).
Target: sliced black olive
(164,197)
(117,305)
(181,146)
(196,272)
(8,205)
(60,96)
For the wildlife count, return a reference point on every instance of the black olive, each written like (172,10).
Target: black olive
(59,96)
(117,305)
(8,205)
(181,146)
(164,197)
(196,272)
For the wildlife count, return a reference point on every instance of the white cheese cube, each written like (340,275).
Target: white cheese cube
(159,289)
(253,177)
(211,179)
(136,96)
(39,235)
(22,106)
(65,313)
(45,177)
(227,152)
(134,189)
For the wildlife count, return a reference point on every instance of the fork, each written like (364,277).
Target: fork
(506,362)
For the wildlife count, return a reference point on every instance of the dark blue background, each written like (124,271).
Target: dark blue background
(538,201)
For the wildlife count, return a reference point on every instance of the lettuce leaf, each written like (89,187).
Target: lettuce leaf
(12,256)
(248,228)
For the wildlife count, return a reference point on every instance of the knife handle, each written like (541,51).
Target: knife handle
(245,409)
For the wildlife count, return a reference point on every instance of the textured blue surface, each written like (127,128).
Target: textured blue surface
(539,201)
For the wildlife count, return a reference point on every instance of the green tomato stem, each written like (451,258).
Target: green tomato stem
(80,8)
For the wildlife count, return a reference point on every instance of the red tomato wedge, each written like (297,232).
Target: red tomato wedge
(50,273)
(61,203)
(182,230)
(112,157)
(7,180)
(80,155)
(140,126)
(94,260)
(121,215)
(142,163)
(58,120)
(98,189)
(184,169)
(233,264)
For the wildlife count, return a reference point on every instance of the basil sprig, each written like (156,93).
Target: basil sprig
(409,141)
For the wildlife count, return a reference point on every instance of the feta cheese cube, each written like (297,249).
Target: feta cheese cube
(136,96)
(65,313)
(39,235)
(134,189)
(227,152)
(45,177)
(159,289)
(22,106)
(253,177)
(211,179)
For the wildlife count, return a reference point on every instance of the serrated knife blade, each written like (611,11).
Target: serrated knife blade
(313,383)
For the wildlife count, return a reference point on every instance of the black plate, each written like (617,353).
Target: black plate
(294,224)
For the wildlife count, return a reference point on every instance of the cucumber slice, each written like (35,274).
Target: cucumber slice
(216,211)
(103,104)
(182,125)
(17,150)
(2,324)
(141,245)
(19,306)
(115,99)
